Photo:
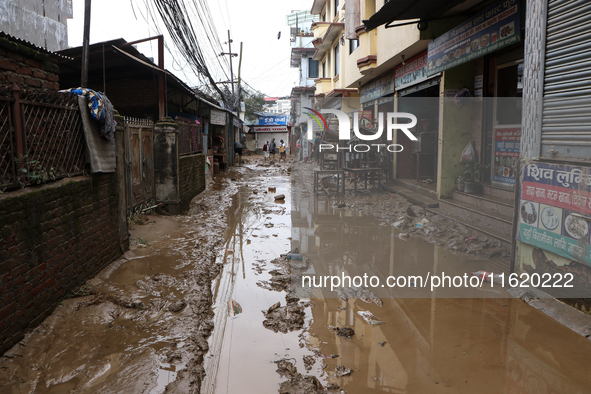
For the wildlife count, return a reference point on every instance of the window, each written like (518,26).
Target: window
(312,68)
(324,69)
(336,7)
(336,59)
(353,44)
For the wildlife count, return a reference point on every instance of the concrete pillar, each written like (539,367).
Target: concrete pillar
(166,165)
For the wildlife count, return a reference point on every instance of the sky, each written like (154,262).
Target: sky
(255,23)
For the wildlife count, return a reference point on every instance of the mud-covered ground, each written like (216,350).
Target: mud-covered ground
(141,325)
(156,321)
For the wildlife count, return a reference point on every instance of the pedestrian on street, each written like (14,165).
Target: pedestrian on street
(272,148)
(238,151)
(266,151)
(316,147)
(282,151)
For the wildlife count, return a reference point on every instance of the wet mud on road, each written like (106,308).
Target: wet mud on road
(158,321)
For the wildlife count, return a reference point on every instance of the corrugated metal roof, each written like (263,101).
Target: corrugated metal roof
(31,45)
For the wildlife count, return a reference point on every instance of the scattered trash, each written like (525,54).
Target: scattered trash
(470,239)
(487,276)
(341,371)
(280,197)
(402,236)
(294,256)
(343,308)
(272,189)
(410,212)
(341,205)
(382,344)
(419,225)
(370,318)
(345,332)
(234,308)
(424,221)
(229,251)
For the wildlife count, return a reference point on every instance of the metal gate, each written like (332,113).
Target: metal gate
(139,160)
(566,119)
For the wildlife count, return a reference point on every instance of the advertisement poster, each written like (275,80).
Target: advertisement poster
(506,154)
(490,30)
(414,71)
(555,209)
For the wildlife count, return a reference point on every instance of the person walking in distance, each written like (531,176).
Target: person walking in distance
(238,151)
(272,148)
(266,151)
(282,151)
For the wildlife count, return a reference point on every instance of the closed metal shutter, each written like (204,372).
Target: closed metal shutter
(566,119)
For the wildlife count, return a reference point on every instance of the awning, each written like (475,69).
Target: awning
(396,10)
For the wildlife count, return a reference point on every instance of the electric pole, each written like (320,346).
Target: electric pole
(85,43)
(239,89)
(231,56)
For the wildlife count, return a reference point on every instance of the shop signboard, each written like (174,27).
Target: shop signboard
(378,88)
(217,117)
(506,154)
(270,129)
(555,209)
(412,72)
(486,32)
(273,120)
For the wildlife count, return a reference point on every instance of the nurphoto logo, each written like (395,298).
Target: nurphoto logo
(392,119)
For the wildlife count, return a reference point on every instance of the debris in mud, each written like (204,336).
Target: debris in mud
(285,318)
(299,384)
(343,308)
(280,197)
(177,306)
(309,362)
(345,332)
(234,308)
(272,189)
(341,371)
(382,344)
(364,295)
(370,318)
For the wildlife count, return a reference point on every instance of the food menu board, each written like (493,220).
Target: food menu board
(555,209)
(486,32)
(506,154)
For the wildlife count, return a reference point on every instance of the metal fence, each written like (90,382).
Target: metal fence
(41,137)
(190,136)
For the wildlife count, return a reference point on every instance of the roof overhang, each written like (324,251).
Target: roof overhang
(324,43)
(317,7)
(397,10)
(298,53)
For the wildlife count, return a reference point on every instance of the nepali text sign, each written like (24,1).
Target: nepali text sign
(272,120)
(412,72)
(506,156)
(555,209)
(490,30)
(217,117)
(378,88)
(270,129)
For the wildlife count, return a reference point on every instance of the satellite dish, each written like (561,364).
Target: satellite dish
(279,35)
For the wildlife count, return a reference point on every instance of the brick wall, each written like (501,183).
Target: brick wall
(192,178)
(27,67)
(52,239)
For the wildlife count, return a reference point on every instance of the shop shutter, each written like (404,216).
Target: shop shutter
(566,119)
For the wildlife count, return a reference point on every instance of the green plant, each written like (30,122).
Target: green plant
(473,171)
(33,171)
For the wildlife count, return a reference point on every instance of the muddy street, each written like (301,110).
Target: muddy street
(204,302)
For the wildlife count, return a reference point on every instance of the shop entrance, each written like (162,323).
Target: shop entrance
(418,159)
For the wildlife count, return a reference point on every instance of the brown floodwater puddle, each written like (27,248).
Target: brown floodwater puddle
(479,341)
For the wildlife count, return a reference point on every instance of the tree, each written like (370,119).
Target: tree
(254,102)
